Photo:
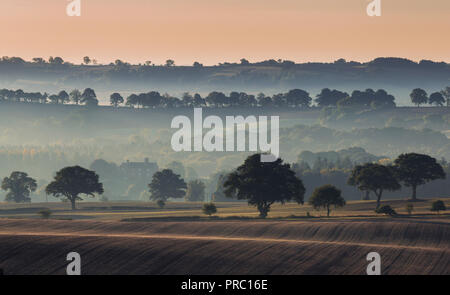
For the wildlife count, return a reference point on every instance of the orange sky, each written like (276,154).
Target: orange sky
(211,31)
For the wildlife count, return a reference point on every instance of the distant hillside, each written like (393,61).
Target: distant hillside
(397,75)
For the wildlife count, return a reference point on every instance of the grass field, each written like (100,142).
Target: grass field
(126,210)
(139,238)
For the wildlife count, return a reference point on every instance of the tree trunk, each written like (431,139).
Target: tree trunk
(264,209)
(72,201)
(414,196)
(379,197)
(367,196)
(262,213)
(328,211)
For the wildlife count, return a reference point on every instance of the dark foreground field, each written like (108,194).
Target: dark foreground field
(225,247)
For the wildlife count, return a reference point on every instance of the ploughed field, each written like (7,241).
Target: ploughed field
(335,246)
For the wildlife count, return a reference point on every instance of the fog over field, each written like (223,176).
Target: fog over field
(397,75)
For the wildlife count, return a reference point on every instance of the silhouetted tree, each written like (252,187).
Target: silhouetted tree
(264,183)
(234,98)
(151,99)
(375,178)
(55,60)
(352,181)
(63,97)
(437,98)
(216,99)
(39,60)
(86,60)
(166,184)
(279,100)
(197,65)
(263,100)
(19,186)
(367,98)
(89,97)
(325,197)
(418,96)
(70,182)
(116,99)
(438,206)
(187,99)
(416,169)
(75,96)
(298,97)
(170,63)
(132,100)
(198,101)
(446,94)
(329,97)
(195,191)
(244,62)
(382,99)
(43,98)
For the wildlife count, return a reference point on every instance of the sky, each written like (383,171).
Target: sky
(211,31)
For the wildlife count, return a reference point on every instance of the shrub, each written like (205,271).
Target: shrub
(161,203)
(438,206)
(45,213)
(386,209)
(209,209)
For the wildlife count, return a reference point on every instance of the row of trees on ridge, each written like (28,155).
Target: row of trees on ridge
(296,98)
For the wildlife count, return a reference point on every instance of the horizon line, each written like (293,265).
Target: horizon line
(331,61)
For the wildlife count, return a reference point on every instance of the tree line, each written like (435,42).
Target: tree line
(439,98)
(87,97)
(295,98)
(264,184)
(261,184)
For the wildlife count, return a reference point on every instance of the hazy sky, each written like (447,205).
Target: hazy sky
(211,31)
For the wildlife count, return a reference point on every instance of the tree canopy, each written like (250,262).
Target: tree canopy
(375,178)
(419,96)
(70,182)
(264,183)
(166,184)
(437,98)
(89,97)
(416,169)
(19,186)
(115,99)
(438,206)
(329,97)
(325,197)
